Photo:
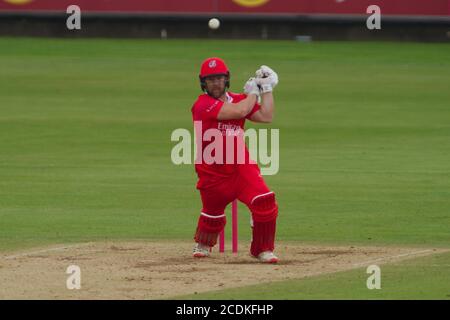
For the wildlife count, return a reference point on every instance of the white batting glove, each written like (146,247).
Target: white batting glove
(266,78)
(251,87)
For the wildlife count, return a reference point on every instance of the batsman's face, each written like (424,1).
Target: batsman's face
(216,85)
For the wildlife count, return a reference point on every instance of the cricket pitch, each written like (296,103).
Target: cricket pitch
(162,270)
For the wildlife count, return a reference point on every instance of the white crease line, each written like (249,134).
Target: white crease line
(44,250)
(440,265)
(320,273)
(392,257)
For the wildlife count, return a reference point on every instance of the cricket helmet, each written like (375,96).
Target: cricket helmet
(213,66)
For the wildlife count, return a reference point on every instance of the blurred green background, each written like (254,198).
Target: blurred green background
(85,144)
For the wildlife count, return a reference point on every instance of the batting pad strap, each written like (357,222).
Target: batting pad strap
(263,238)
(212,217)
(208,229)
(261,195)
(264,207)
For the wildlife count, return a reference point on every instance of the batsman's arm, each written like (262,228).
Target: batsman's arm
(265,114)
(237,110)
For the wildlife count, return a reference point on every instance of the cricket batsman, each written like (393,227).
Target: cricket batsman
(220,183)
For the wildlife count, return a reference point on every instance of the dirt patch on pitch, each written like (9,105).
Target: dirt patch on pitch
(160,270)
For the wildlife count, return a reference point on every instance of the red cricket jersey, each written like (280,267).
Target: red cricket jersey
(206,109)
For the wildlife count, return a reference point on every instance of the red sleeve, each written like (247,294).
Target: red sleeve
(207,109)
(256,107)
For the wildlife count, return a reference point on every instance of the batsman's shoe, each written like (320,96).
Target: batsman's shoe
(201,251)
(267,257)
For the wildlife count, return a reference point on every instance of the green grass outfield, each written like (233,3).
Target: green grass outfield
(415,279)
(85,144)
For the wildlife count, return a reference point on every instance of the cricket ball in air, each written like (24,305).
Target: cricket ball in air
(214,23)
